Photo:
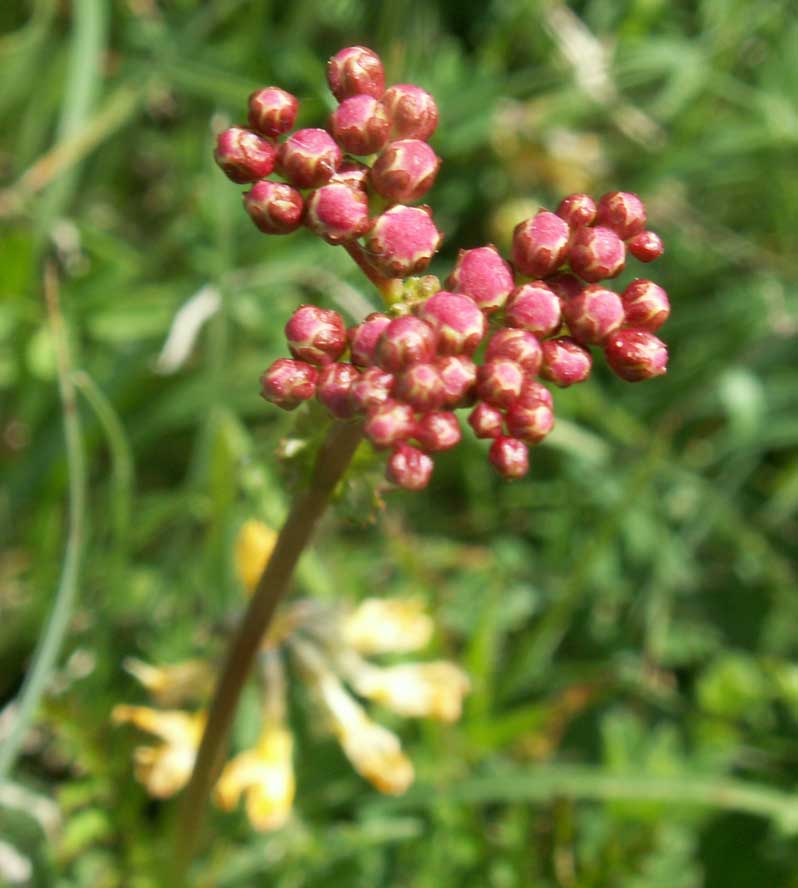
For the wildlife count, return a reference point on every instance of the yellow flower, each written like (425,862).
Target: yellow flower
(174,684)
(393,625)
(164,769)
(253,548)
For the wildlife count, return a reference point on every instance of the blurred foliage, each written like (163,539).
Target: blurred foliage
(627,613)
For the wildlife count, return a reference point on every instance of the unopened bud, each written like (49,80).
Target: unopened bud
(517,345)
(244,156)
(420,385)
(646,246)
(438,430)
(564,285)
(316,335)
(540,244)
(636,355)
(459,376)
(353,173)
(594,314)
(409,467)
(459,323)
(483,275)
(272,111)
(411,110)
(565,362)
(509,456)
(392,422)
(530,422)
(404,341)
(597,253)
(337,212)
(499,382)
(309,158)
(371,388)
(486,421)
(276,208)
(364,336)
(403,240)
(623,212)
(360,125)
(334,387)
(577,210)
(646,305)
(354,71)
(533,392)
(405,170)
(535,308)
(288,383)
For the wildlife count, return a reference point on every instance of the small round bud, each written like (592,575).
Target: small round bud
(457,320)
(534,392)
(534,308)
(405,170)
(530,422)
(354,71)
(403,240)
(483,275)
(646,305)
(333,389)
(409,467)
(338,213)
(565,285)
(636,355)
(316,335)
(404,341)
(594,314)
(420,386)
(364,336)
(371,388)
(499,382)
(518,346)
(459,376)
(438,430)
(274,207)
(540,244)
(597,253)
(646,246)
(288,383)
(244,156)
(565,362)
(272,111)
(390,423)
(352,173)
(623,212)
(577,210)
(486,421)
(309,158)
(360,125)
(509,456)
(411,110)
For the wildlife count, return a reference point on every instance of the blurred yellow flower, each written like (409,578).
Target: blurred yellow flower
(173,684)
(253,548)
(387,625)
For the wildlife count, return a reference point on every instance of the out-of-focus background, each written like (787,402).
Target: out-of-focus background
(628,614)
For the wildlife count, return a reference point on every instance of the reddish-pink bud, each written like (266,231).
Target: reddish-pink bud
(483,275)
(486,421)
(421,386)
(352,173)
(244,156)
(360,125)
(309,158)
(404,341)
(597,253)
(272,111)
(411,110)
(534,308)
(509,456)
(565,285)
(577,210)
(333,389)
(517,345)
(646,305)
(530,422)
(363,338)
(337,212)
(274,207)
(409,467)
(499,382)
(316,335)
(405,170)
(534,392)
(371,388)
(459,376)
(594,314)
(403,240)
(565,362)
(354,71)
(646,246)
(288,383)
(540,244)
(459,323)
(438,430)
(636,355)
(390,423)
(623,212)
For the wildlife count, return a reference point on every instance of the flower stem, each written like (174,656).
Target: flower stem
(331,463)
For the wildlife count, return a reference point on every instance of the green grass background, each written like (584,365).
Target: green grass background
(628,613)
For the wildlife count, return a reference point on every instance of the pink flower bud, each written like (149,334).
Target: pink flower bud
(646,246)
(499,382)
(338,213)
(518,346)
(363,338)
(438,430)
(594,314)
(540,244)
(459,376)
(244,156)
(636,355)
(483,275)
(457,320)
(509,456)
(646,305)
(623,212)
(534,308)
(309,158)
(288,383)
(371,388)
(354,71)
(564,285)
(577,210)
(404,341)
(316,335)
(390,423)
(534,392)
(272,111)
(530,422)
(565,362)
(420,386)
(405,170)
(360,125)
(597,253)
(486,421)
(411,110)
(409,468)
(403,240)
(274,207)
(352,173)
(333,389)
